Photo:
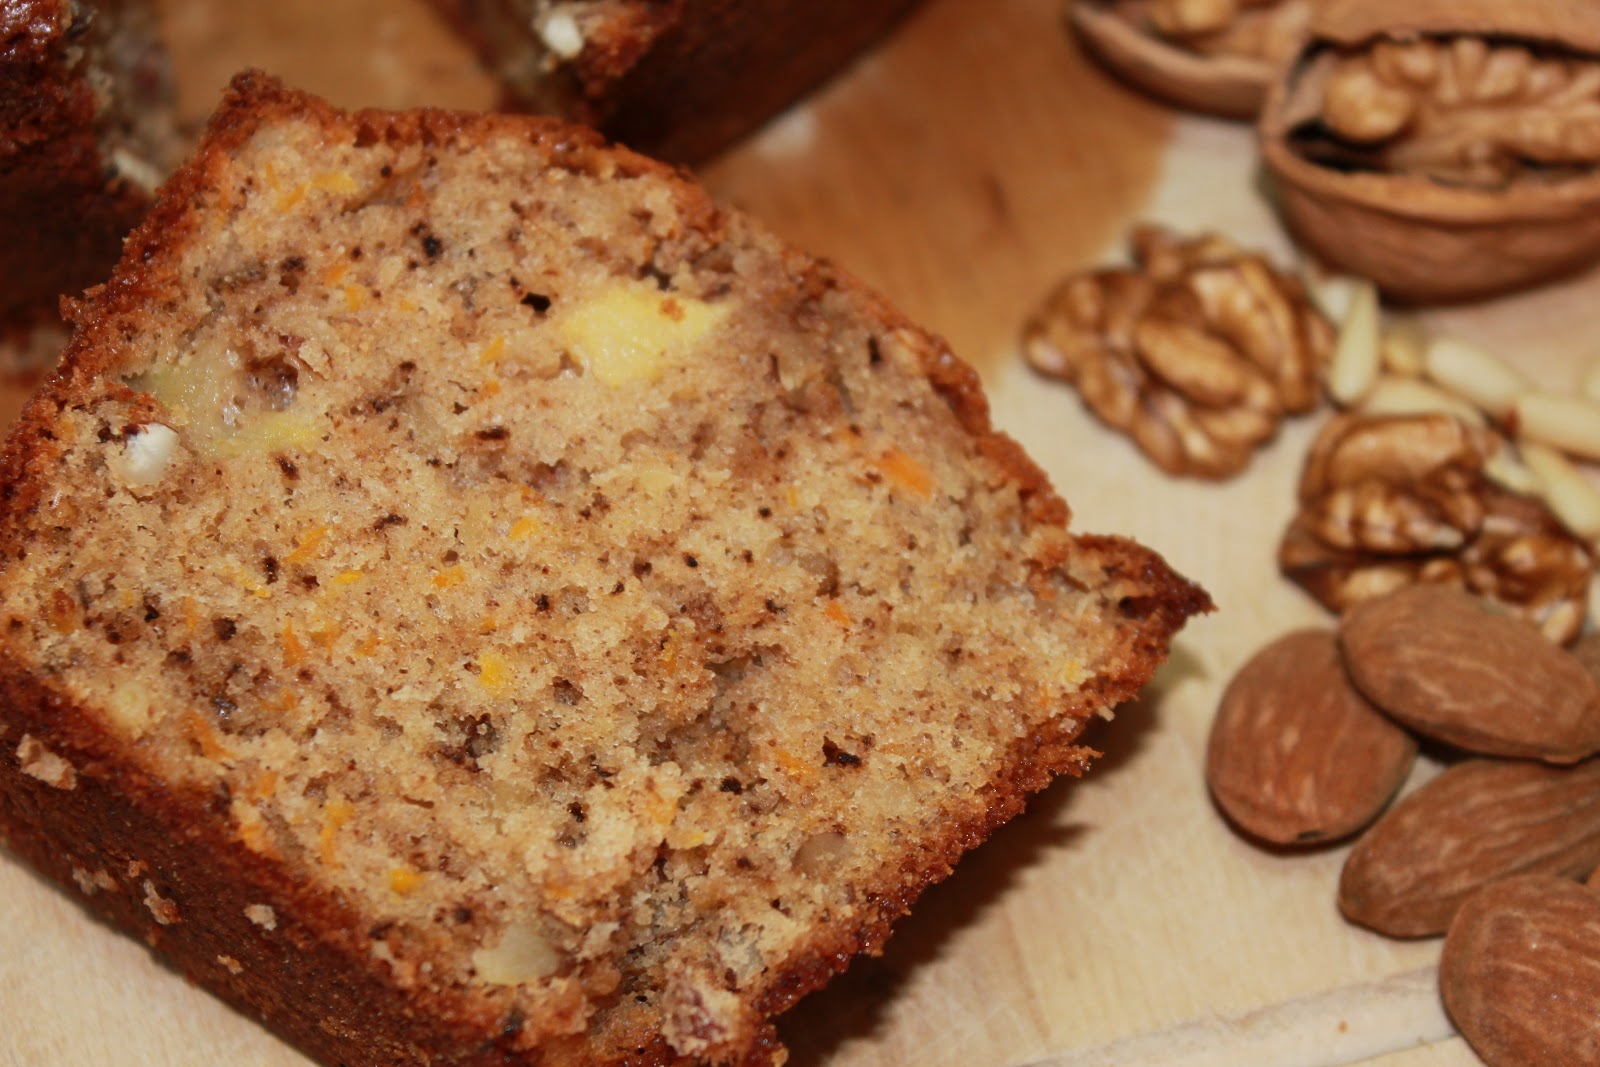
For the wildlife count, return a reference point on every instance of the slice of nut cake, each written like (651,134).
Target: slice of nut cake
(477,602)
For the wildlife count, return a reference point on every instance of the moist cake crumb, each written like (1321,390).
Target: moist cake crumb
(511,610)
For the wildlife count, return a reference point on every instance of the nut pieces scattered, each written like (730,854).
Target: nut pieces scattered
(1540,437)
(1215,56)
(1490,849)
(1443,150)
(1390,500)
(1198,353)
(1419,144)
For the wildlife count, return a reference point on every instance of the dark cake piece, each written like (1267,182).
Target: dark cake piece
(86,134)
(679,79)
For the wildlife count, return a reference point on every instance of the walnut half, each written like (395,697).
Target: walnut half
(1215,56)
(1392,500)
(1446,150)
(1198,353)
(1463,110)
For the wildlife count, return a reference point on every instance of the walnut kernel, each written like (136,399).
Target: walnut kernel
(1197,354)
(1393,500)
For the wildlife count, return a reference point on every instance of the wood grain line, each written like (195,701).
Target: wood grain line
(1328,1029)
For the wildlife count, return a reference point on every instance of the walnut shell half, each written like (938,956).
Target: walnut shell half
(1223,72)
(1446,149)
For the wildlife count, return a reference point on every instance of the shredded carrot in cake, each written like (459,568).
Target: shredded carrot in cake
(450,577)
(907,473)
(493,351)
(335,814)
(308,544)
(201,733)
(293,651)
(264,786)
(326,635)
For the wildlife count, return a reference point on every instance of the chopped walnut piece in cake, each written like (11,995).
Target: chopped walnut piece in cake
(1391,500)
(1197,354)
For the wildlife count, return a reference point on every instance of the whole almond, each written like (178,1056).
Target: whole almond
(1587,652)
(1520,973)
(1437,662)
(1478,822)
(1296,755)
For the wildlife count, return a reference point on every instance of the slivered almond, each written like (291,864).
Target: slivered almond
(1506,469)
(1390,395)
(1356,355)
(1478,822)
(1589,384)
(1476,374)
(1568,492)
(1404,347)
(1568,422)
(1332,293)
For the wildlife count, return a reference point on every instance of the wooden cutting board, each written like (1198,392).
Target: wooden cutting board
(962,170)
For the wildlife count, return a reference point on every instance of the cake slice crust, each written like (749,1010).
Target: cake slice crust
(469,599)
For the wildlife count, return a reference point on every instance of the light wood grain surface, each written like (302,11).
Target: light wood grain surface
(962,170)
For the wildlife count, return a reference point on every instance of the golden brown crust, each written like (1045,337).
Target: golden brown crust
(312,975)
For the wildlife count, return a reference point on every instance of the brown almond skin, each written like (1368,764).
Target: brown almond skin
(1478,822)
(1439,664)
(1520,973)
(1296,755)
(1587,652)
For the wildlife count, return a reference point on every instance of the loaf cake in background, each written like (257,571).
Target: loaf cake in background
(468,599)
(87,131)
(679,79)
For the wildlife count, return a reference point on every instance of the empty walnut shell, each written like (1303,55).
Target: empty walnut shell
(1232,86)
(1421,238)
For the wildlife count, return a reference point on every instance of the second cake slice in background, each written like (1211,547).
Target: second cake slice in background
(679,79)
